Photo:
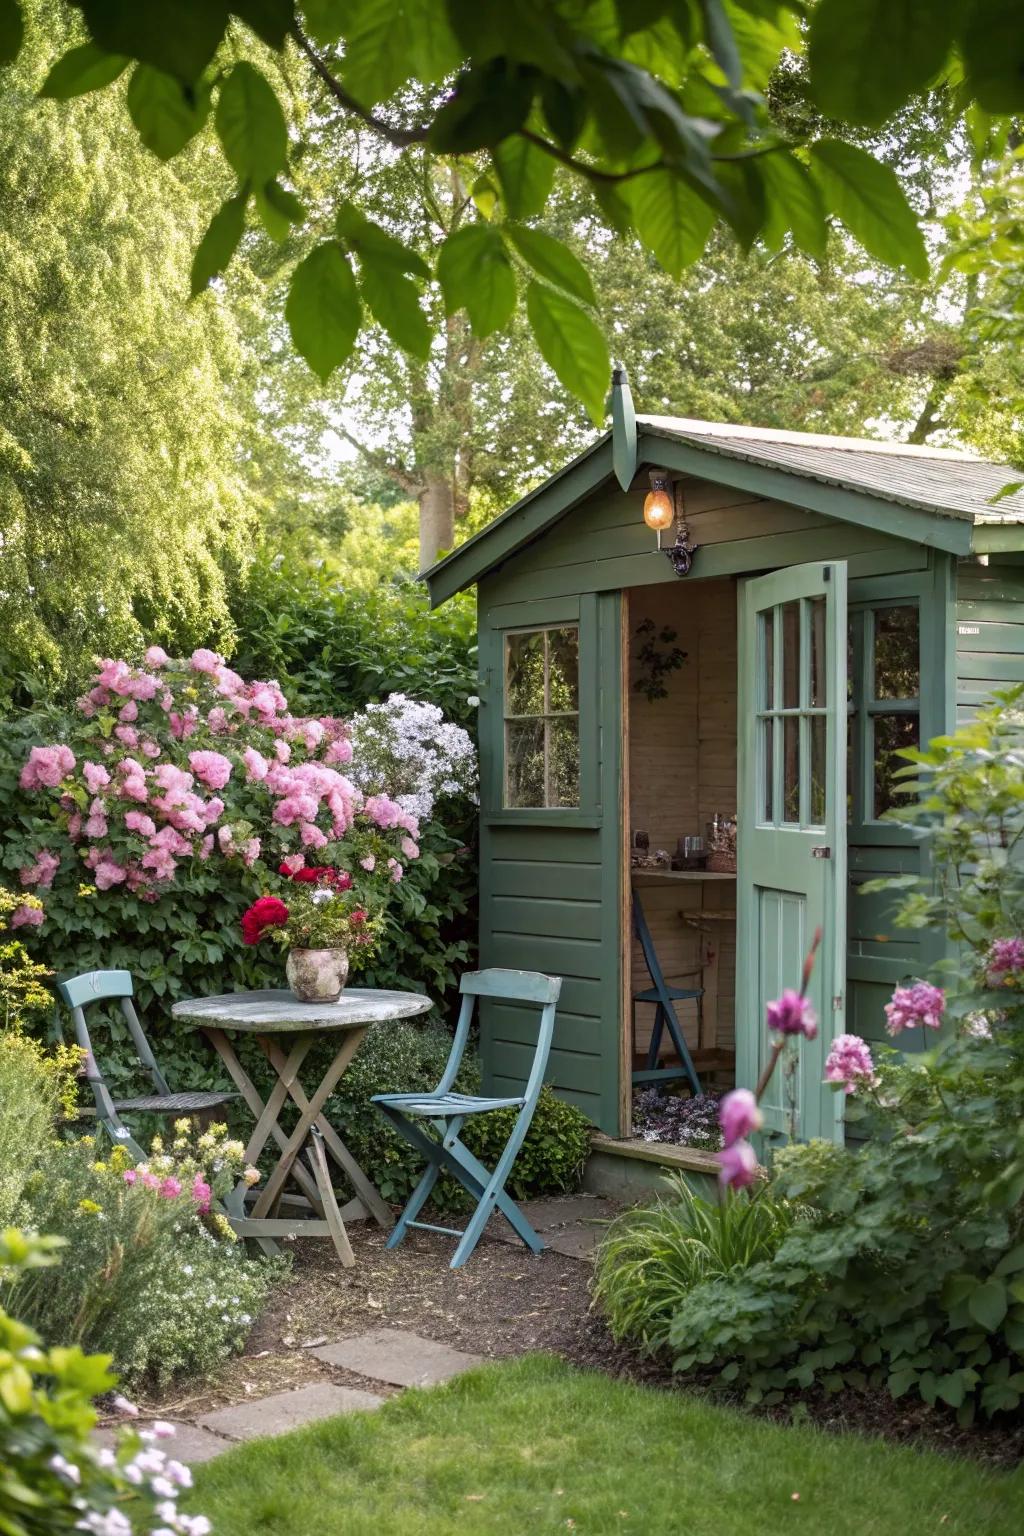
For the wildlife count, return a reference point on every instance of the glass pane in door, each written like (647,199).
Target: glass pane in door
(790,655)
(816,634)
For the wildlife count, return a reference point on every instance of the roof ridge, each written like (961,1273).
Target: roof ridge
(693,427)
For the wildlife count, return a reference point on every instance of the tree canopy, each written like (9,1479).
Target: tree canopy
(657,105)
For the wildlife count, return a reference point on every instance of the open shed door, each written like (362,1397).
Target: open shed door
(791,867)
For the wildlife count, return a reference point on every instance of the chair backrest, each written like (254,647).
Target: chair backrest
(512,987)
(643,933)
(78,993)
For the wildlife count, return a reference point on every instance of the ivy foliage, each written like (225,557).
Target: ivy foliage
(659,107)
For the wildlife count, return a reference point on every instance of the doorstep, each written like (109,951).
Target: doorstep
(632,1168)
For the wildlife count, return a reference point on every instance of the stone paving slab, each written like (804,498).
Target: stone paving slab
(574,1242)
(403,1359)
(287,1410)
(564,1211)
(190,1443)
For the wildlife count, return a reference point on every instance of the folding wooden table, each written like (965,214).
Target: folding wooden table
(279,1021)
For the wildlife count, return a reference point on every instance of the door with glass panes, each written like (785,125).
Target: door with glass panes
(791,867)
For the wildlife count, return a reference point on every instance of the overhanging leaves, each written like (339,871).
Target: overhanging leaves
(179,36)
(476,275)
(322,308)
(250,124)
(867,56)
(219,243)
(870,201)
(166,112)
(552,260)
(993,49)
(793,203)
(671,218)
(394,301)
(572,345)
(82,69)
(526,175)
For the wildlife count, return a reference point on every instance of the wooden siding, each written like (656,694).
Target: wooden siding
(989,633)
(682,769)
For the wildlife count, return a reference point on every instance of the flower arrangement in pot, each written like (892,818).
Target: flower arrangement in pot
(324,925)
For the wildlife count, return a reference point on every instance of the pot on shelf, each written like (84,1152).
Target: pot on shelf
(317,975)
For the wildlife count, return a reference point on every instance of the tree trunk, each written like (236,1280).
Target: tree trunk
(437,519)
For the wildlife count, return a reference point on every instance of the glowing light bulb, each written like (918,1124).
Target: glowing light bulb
(659,509)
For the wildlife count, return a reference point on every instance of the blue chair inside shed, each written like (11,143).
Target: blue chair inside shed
(446,1112)
(664,999)
(80,992)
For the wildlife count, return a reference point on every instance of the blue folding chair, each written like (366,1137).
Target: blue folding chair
(77,993)
(663,997)
(446,1112)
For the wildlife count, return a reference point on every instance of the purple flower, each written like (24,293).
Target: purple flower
(792,1014)
(1004,962)
(920,1004)
(849,1062)
(738,1115)
(737,1165)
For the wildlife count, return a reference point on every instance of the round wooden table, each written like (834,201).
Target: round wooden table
(278,1019)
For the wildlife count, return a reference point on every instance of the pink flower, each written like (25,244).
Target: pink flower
(156,656)
(849,1062)
(294,808)
(920,1004)
(127,735)
(129,1175)
(138,821)
(1004,961)
(311,836)
(202,1194)
(256,764)
(129,712)
(96,821)
(217,720)
(311,733)
(96,777)
(251,849)
(27,917)
(369,863)
(108,873)
(212,811)
(211,768)
(41,873)
(150,748)
(339,752)
(292,863)
(151,1181)
(160,863)
(206,846)
(75,826)
(226,840)
(383,810)
(282,751)
(170,1189)
(409,848)
(737,1165)
(792,1014)
(142,686)
(396,870)
(47,767)
(739,1115)
(206,661)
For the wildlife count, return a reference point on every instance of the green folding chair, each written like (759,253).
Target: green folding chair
(446,1112)
(78,993)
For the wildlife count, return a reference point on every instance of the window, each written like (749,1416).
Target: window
(542,724)
(792,713)
(885,669)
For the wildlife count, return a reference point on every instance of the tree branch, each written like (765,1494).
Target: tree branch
(400,138)
(402,478)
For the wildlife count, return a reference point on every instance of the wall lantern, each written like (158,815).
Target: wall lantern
(664,505)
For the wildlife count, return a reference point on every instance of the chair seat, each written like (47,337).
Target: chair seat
(175,1103)
(439,1105)
(677,994)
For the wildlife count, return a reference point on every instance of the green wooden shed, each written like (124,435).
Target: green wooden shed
(844,598)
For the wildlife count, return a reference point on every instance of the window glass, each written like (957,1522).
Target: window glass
(897,661)
(542,733)
(893,733)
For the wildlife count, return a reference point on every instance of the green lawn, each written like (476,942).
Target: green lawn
(534,1446)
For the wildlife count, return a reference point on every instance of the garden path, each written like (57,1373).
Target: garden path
(314,1346)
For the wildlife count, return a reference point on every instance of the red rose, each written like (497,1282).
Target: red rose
(342,880)
(267,912)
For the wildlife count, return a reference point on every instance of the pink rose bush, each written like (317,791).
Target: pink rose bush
(920,1004)
(849,1063)
(172,765)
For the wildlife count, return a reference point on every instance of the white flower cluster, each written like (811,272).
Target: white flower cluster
(404,748)
(149,1469)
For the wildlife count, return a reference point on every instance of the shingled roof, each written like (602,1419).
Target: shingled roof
(933,479)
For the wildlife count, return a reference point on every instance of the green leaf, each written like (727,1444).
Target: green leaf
(177,36)
(325,20)
(526,175)
(867,57)
(250,124)
(166,112)
(672,219)
(552,260)
(718,34)
(1011,1262)
(489,104)
(278,209)
(12,30)
(987,1305)
(572,345)
(367,238)
(993,53)
(322,309)
(792,202)
(394,300)
(82,69)
(271,20)
(476,275)
(219,243)
(870,201)
(387,44)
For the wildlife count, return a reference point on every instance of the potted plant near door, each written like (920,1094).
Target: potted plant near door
(323,925)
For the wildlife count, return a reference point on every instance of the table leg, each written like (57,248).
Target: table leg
(318,1157)
(247,1088)
(308,1116)
(360,1182)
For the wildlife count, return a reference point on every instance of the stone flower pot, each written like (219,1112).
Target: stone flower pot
(317,975)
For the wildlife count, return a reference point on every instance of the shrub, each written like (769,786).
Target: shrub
(551,1159)
(36,1088)
(913,1275)
(53,1476)
(685,1122)
(655,1255)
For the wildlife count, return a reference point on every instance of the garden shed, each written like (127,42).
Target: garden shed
(743,675)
